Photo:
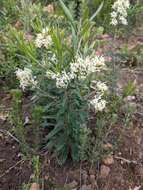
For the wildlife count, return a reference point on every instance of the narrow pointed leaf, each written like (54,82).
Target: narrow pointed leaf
(97,11)
(67,12)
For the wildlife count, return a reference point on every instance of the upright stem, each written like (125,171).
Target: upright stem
(77,9)
(114,59)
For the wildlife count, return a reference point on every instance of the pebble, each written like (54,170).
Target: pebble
(86,187)
(92,172)
(35,186)
(108,160)
(92,179)
(71,185)
(84,178)
(104,171)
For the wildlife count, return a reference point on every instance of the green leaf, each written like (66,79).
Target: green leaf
(75,39)
(97,11)
(75,152)
(63,155)
(56,130)
(129,89)
(67,13)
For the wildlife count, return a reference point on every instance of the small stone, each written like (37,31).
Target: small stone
(84,177)
(93,181)
(46,177)
(2,160)
(72,185)
(35,186)
(129,98)
(137,187)
(104,171)
(29,38)
(86,187)
(122,162)
(92,172)
(19,155)
(18,24)
(32,176)
(3,116)
(27,120)
(108,160)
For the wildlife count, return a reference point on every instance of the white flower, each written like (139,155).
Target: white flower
(53,58)
(43,39)
(80,69)
(99,62)
(45,30)
(101,105)
(47,41)
(98,103)
(127,4)
(114,14)
(101,86)
(114,22)
(85,66)
(50,74)
(63,80)
(39,40)
(119,14)
(26,78)
(123,20)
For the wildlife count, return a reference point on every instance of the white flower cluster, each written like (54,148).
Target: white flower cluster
(119,14)
(62,79)
(79,69)
(101,86)
(98,102)
(85,66)
(26,78)
(43,39)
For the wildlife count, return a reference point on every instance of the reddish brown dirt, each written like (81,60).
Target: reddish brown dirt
(13,172)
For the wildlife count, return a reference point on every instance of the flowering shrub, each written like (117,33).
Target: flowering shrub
(64,94)
(68,79)
(63,79)
(80,69)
